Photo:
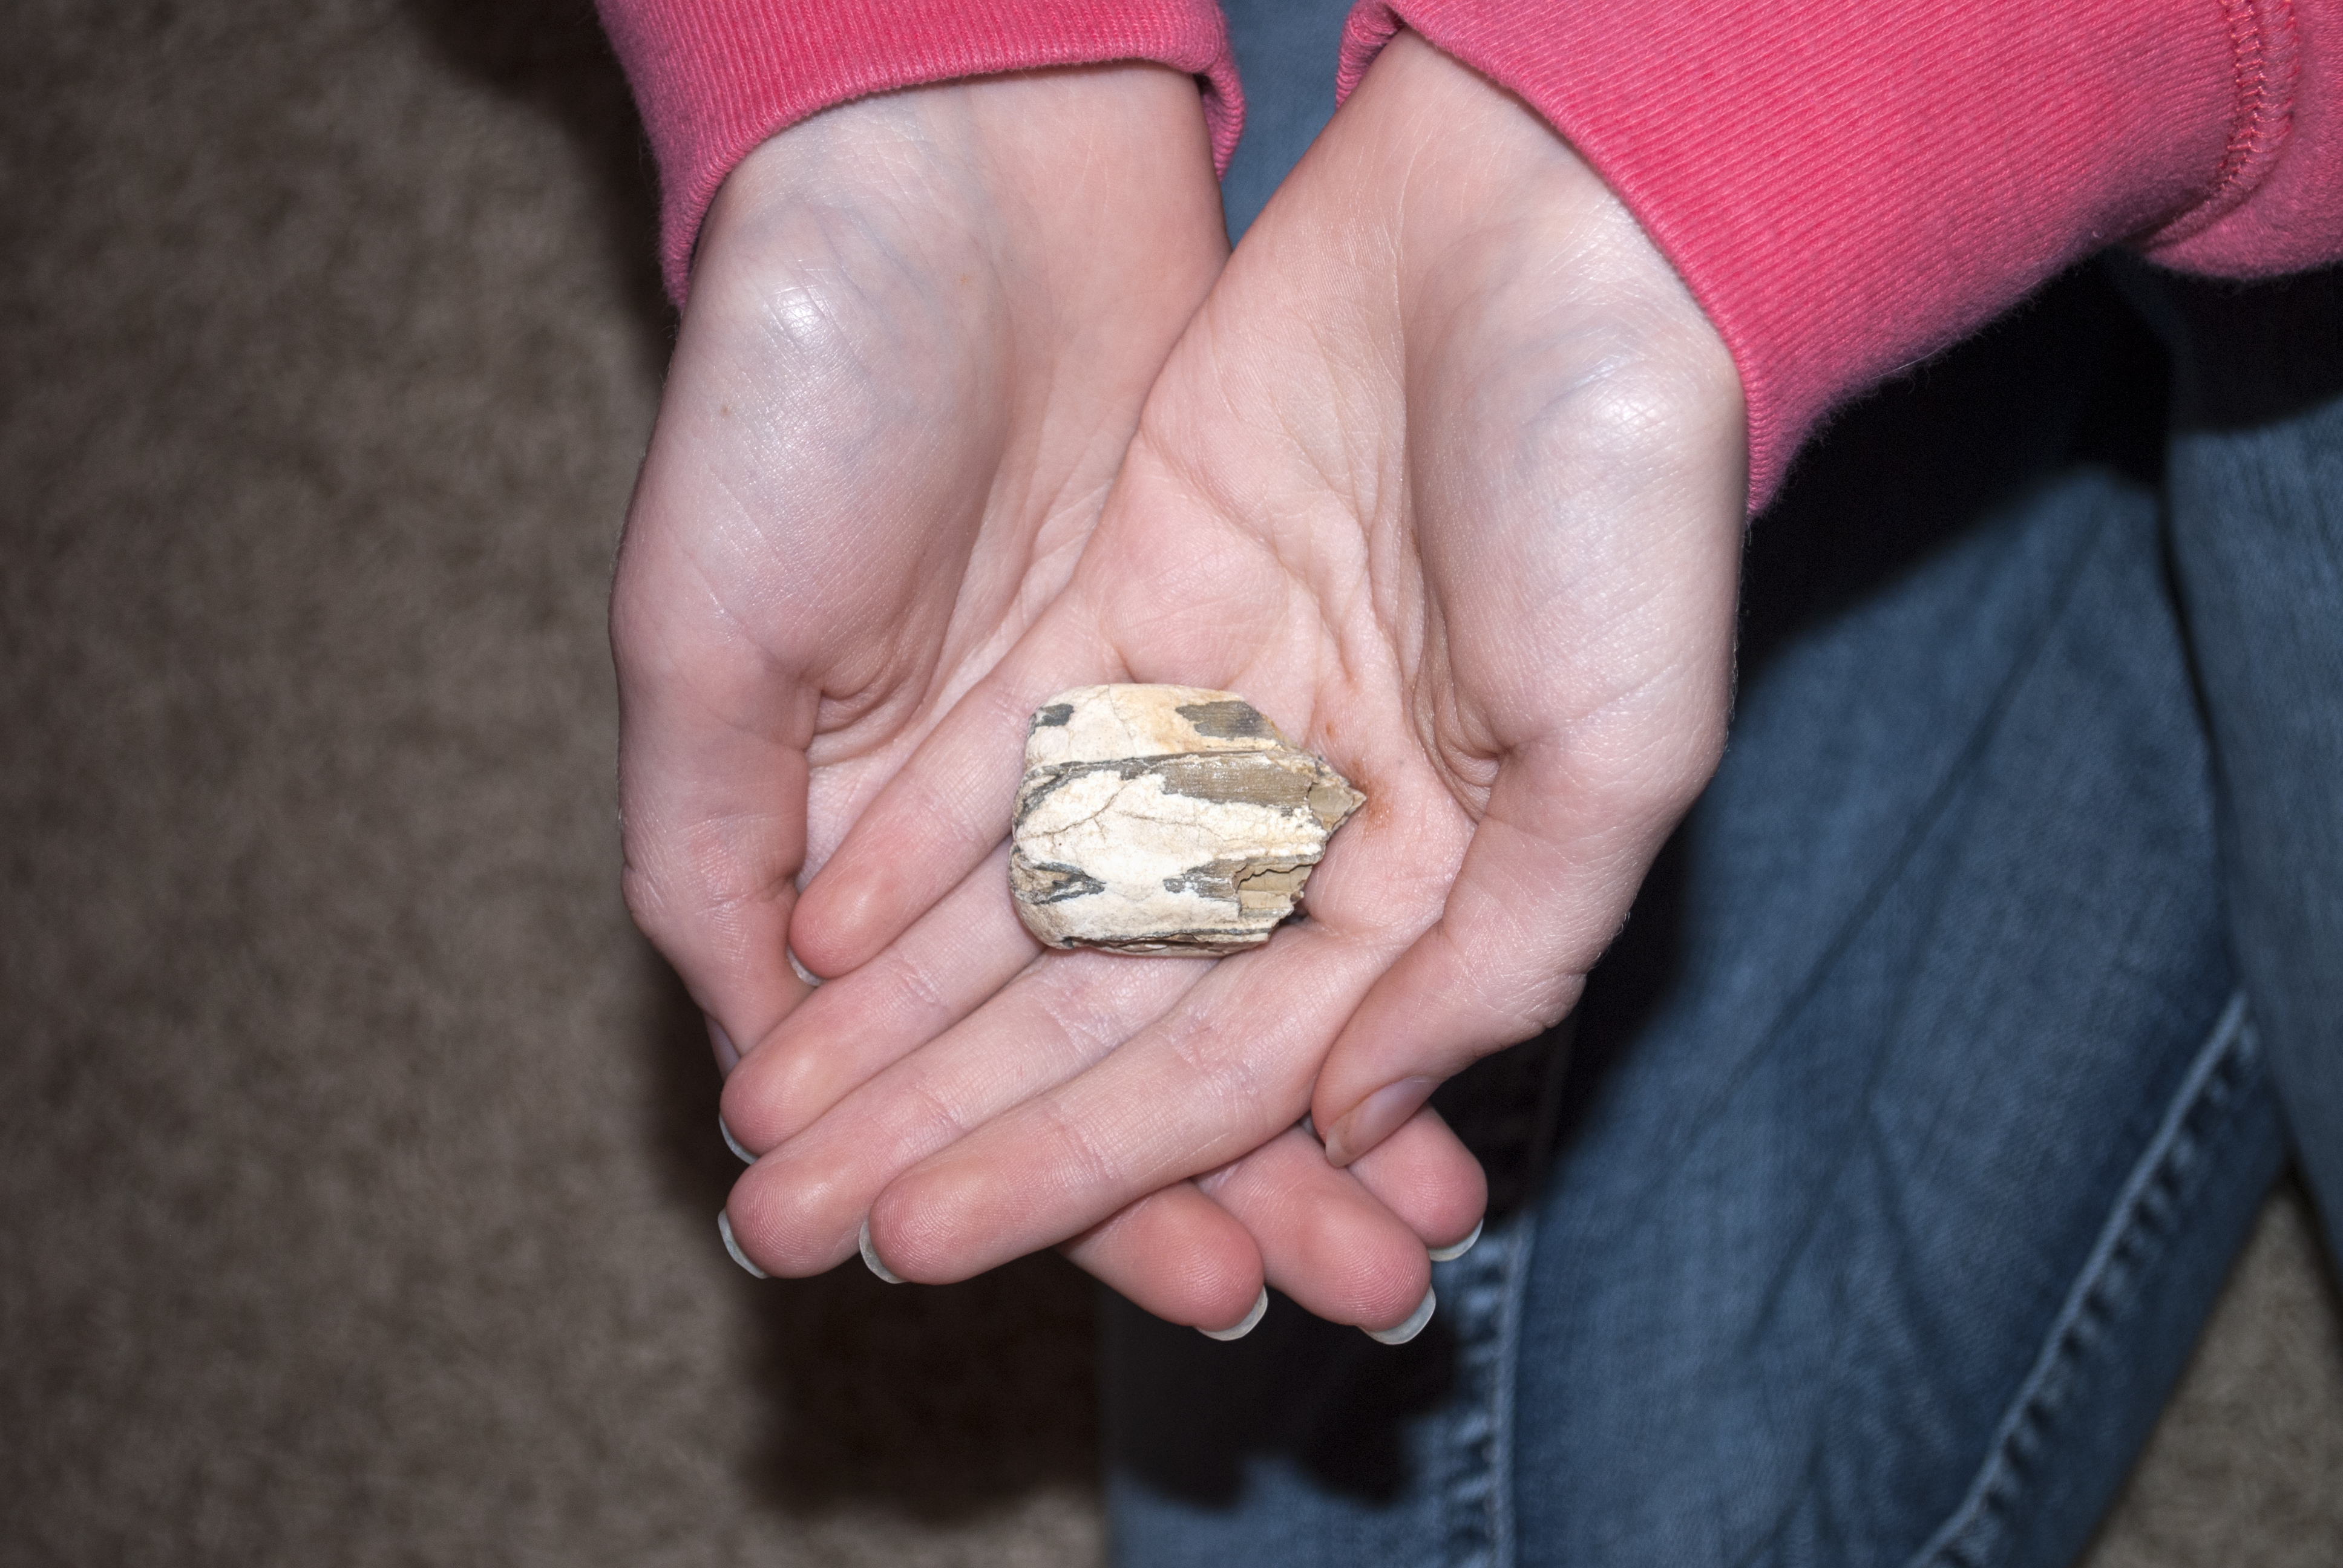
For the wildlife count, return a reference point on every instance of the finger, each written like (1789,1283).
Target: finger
(1218,1075)
(854,1026)
(949,803)
(1319,1235)
(1424,1175)
(1180,1255)
(1325,1241)
(1552,869)
(712,782)
(1298,1224)
(799,1210)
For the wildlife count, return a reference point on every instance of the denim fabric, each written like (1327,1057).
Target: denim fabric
(1908,1131)
(1904,1177)
(2256,501)
(1286,52)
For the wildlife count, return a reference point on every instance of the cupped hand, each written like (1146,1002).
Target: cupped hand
(1447,477)
(920,331)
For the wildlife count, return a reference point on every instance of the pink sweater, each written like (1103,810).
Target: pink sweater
(1845,189)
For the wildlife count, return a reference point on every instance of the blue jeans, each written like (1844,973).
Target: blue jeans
(1908,1133)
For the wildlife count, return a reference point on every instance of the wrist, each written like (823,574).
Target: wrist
(1491,221)
(1108,164)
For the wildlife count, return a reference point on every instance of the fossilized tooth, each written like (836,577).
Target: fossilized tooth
(1166,819)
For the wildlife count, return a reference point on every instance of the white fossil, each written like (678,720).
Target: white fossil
(1166,819)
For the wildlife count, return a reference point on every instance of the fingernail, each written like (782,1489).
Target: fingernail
(727,1055)
(1410,1329)
(1252,1320)
(870,1259)
(1450,1254)
(724,1229)
(804,973)
(748,1159)
(1377,1118)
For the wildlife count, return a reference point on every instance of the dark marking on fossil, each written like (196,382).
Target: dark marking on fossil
(1201,939)
(1049,882)
(1236,777)
(1051,716)
(1228,719)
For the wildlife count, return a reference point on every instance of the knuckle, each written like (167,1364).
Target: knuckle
(909,993)
(650,904)
(1515,987)
(1525,1001)
(1093,1165)
(1220,1071)
(936,1118)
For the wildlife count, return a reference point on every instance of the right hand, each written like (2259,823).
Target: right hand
(920,331)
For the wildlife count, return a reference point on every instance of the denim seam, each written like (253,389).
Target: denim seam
(1486,1292)
(1978,1533)
(1483,1291)
(1518,1247)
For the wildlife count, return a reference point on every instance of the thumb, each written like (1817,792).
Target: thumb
(1572,826)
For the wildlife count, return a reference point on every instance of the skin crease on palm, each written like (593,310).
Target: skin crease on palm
(1447,476)
(921,333)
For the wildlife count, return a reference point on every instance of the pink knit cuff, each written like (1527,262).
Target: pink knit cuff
(1847,191)
(713,78)
(2286,214)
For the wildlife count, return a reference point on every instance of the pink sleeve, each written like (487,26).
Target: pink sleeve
(1848,188)
(715,78)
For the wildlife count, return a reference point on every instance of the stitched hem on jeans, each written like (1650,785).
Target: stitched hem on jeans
(1483,1289)
(1977,1533)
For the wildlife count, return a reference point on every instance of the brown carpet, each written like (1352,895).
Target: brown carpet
(357,1164)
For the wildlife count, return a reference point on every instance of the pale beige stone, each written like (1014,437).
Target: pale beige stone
(1166,819)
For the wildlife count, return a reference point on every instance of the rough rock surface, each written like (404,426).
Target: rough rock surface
(1166,819)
